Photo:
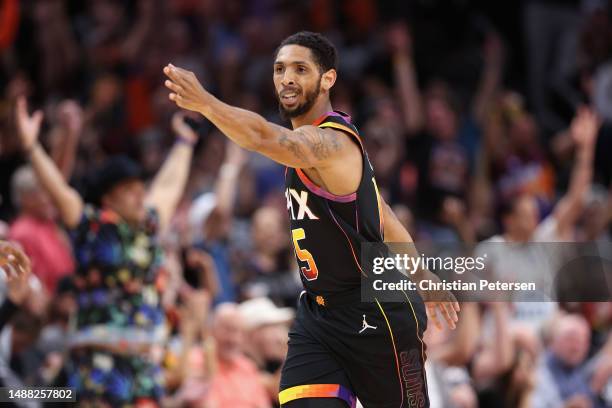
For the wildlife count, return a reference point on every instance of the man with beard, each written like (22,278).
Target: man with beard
(340,348)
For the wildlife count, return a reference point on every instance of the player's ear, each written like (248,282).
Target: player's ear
(328,79)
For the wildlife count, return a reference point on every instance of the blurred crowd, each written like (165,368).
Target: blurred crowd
(163,272)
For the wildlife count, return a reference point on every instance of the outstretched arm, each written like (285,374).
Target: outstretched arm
(169,182)
(304,147)
(442,301)
(405,78)
(66,199)
(490,78)
(584,129)
(227,181)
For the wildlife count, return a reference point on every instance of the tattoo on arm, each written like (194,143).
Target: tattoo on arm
(321,144)
(291,144)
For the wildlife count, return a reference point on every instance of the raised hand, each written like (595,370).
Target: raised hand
(16,266)
(182,129)
(399,38)
(584,127)
(187,92)
(493,49)
(235,155)
(13,261)
(70,117)
(28,126)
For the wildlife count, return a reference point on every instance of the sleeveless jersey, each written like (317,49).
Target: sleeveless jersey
(327,230)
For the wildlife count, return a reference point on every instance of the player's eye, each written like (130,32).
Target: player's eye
(278,69)
(301,69)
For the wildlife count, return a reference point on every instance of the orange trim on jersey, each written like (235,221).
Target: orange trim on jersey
(380,212)
(343,128)
(397,363)
(320,119)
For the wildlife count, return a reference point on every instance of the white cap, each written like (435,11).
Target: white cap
(200,210)
(261,311)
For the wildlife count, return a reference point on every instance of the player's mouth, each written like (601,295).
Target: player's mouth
(289,98)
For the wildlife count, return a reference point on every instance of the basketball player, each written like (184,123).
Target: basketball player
(340,348)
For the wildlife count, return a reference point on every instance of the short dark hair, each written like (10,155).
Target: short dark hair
(322,49)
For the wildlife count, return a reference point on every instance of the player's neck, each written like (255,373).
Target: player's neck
(313,114)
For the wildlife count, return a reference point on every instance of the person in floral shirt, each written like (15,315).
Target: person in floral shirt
(119,321)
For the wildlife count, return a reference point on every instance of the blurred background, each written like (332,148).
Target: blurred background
(483,120)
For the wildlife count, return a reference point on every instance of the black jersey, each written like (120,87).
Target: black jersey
(327,230)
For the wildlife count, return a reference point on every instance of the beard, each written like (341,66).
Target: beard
(299,110)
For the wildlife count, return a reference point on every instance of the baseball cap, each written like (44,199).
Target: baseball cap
(115,170)
(262,311)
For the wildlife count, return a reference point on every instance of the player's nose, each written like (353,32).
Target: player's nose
(288,78)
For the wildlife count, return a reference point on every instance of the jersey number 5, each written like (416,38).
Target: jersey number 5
(310,272)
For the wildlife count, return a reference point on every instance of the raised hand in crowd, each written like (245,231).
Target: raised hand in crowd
(584,130)
(400,45)
(490,79)
(169,183)
(584,127)
(399,39)
(225,189)
(182,129)
(28,126)
(65,135)
(202,262)
(493,49)
(14,261)
(65,198)
(17,269)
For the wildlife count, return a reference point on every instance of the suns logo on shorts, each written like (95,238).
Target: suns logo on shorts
(412,376)
(298,201)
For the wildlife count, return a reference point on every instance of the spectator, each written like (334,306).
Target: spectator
(517,161)
(234,369)
(269,269)
(520,218)
(211,218)
(444,140)
(268,331)
(35,229)
(118,265)
(565,371)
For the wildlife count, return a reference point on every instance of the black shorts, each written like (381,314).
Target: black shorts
(370,351)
